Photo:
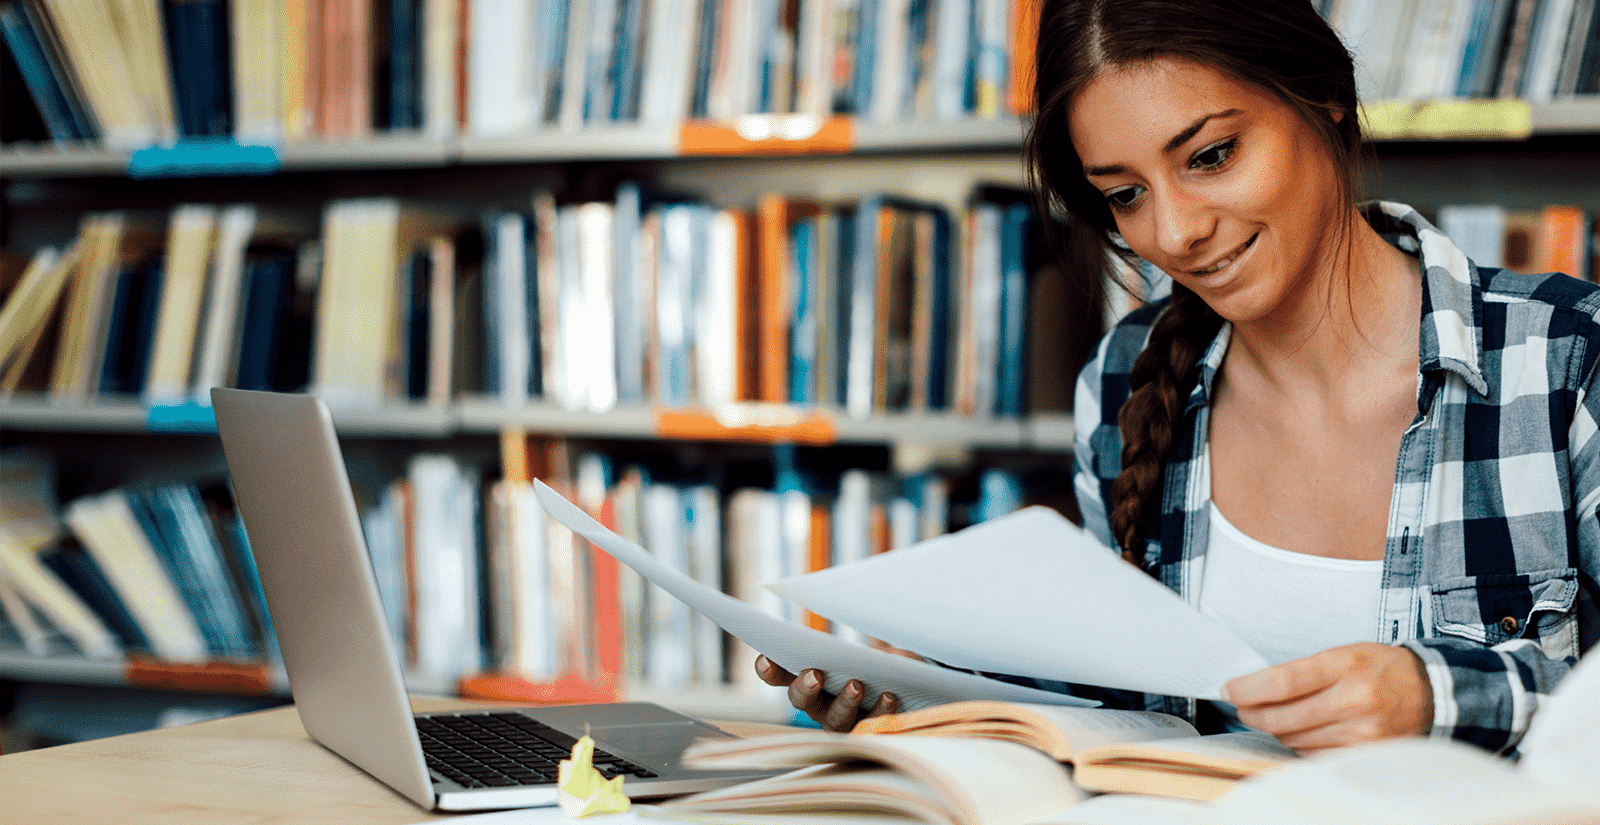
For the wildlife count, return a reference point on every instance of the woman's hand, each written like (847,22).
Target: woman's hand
(835,713)
(1341,696)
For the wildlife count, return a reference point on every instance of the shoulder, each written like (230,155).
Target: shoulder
(1126,339)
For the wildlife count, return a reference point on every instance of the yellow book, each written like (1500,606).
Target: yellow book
(28,308)
(294,70)
(88,308)
(190,237)
(1110,750)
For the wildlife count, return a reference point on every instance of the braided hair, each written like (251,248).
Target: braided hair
(1283,47)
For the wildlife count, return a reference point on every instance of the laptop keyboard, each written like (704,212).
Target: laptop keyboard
(503,750)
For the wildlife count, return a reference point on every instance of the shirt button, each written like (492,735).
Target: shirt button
(1509,625)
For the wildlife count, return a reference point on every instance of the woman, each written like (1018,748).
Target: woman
(1371,459)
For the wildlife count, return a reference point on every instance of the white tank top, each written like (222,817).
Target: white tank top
(1286,604)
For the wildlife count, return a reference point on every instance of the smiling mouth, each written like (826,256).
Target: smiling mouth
(1223,264)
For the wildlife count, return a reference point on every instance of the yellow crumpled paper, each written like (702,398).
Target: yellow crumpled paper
(582,791)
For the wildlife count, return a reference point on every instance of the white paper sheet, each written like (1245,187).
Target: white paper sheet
(915,683)
(1033,595)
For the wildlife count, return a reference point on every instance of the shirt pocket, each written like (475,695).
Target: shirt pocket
(1494,609)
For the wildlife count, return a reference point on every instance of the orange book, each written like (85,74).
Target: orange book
(345,105)
(1562,242)
(1024,45)
(775,285)
(819,556)
(607,600)
(746,307)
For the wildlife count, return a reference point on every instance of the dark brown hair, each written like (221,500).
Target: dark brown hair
(1284,48)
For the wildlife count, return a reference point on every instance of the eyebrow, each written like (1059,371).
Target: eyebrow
(1177,140)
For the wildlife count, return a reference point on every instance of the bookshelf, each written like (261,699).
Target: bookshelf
(1519,152)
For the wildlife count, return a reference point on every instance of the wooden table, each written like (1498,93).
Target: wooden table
(256,768)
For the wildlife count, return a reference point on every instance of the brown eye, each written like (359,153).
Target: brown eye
(1214,156)
(1122,200)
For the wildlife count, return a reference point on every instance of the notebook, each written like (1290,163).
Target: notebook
(344,672)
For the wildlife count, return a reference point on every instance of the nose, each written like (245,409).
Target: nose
(1182,221)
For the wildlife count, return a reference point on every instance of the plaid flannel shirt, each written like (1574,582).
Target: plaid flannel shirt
(1493,548)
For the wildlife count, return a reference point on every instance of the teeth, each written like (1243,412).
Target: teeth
(1223,264)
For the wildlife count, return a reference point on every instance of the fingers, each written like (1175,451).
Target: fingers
(771,673)
(836,713)
(1343,696)
(1286,682)
(844,710)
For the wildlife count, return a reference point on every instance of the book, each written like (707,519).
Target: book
(106,524)
(1120,751)
(928,779)
(191,239)
(779,289)
(502,98)
(29,528)
(199,52)
(86,309)
(258,36)
(32,311)
(47,80)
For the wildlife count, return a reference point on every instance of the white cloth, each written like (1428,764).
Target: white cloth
(1286,604)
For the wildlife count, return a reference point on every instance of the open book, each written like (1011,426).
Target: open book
(941,781)
(1109,750)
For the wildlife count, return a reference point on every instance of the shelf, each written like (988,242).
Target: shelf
(480,415)
(590,144)
(753,703)
(101,415)
(215,677)
(765,135)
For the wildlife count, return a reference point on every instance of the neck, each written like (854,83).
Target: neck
(1357,318)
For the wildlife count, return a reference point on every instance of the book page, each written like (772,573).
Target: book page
(1059,731)
(1413,781)
(1246,751)
(975,780)
(1031,594)
(1132,809)
(1563,741)
(794,647)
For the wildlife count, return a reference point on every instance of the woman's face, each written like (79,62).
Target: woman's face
(1215,181)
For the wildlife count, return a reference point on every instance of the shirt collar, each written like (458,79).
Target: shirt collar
(1452,302)
(1452,294)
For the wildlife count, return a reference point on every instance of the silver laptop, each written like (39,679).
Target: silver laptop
(292,490)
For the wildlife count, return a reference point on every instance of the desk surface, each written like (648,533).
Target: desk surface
(253,768)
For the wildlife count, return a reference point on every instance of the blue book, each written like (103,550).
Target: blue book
(269,289)
(195,569)
(803,321)
(940,363)
(414,280)
(405,64)
(1481,53)
(79,571)
(550,49)
(489,366)
(866,48)
(199,52)
(236,543)
(705,57)
(24,47)
(1013,310)
(860,335)
(628,298)
(626,59)
(843,280)
(82,117)
(131,333)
